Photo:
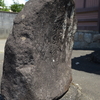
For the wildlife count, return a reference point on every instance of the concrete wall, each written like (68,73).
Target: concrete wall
(6,23)
(87,40)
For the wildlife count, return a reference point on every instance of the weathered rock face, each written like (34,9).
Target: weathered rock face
(37,62)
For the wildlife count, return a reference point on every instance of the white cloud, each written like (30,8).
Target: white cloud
(9,2)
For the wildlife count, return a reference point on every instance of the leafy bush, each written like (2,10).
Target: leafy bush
(16,7)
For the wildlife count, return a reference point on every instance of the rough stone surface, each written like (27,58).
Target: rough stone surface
(80,36)
(37,62)
(88,37)
(80,45)
(86,40)
(76,37)
(96,38)
(94,45)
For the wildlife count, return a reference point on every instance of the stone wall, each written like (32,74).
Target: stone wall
(6,23)
(87,40)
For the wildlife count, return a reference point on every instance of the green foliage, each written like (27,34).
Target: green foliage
(2,4)
(16,7)
(3,7)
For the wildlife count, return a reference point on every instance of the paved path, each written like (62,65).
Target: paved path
(2,44)
(85,72)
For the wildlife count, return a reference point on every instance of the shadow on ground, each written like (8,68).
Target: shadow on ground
(87,63)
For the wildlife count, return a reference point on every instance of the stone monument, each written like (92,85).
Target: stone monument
(37,61)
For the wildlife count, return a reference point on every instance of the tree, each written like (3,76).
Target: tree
(3,7)
(16,7)
(2,4)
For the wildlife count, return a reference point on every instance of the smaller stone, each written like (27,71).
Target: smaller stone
(77,63)
(78,86)
(88,37)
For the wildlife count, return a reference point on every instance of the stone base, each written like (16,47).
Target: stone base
(75,93)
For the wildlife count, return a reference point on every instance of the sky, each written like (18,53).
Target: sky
(9,2)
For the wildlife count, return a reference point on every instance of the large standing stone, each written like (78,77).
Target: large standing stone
(37,62)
